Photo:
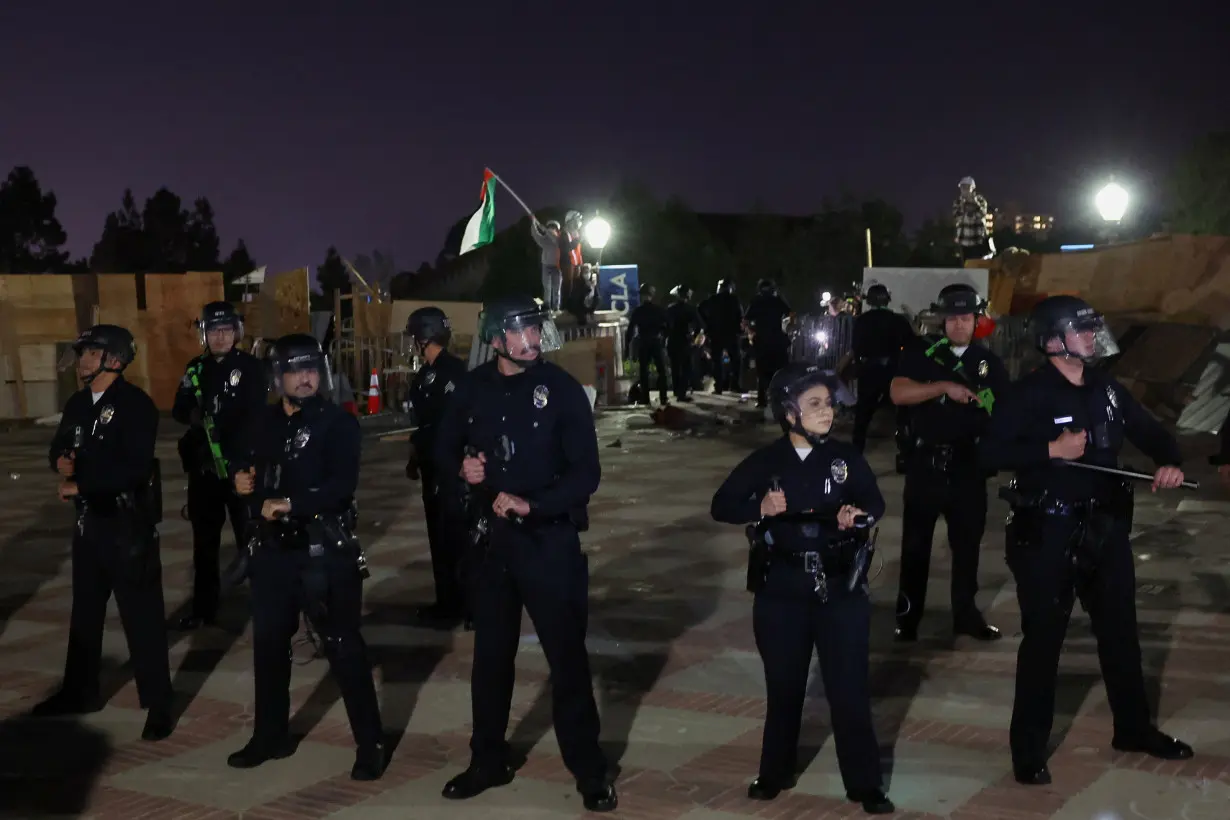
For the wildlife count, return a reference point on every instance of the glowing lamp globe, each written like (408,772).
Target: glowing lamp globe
(597,232)
(1112,202)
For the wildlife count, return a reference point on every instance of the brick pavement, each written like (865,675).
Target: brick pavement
(680,685)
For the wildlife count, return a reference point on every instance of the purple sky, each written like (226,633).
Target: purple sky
(366,124)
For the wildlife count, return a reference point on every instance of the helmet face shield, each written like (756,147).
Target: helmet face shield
(526,336)
(813,410)
(302,376)
(220,336)
(1086,338)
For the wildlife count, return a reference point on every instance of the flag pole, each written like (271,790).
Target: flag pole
(513,194)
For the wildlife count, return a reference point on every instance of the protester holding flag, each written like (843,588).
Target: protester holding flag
(548,239)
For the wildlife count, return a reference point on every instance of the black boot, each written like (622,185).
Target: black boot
(1032,775)
(369,763)
(261,751)
(1154,743)
(874,801)
(158,724)
(598,797)
(476,780)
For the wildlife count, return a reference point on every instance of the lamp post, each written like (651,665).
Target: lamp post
(1112,203)
(597,234)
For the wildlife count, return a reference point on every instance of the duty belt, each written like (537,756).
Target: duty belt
(815,563)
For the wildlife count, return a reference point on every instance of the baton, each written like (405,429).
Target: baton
(1190,485)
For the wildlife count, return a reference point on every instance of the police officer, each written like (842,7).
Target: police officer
(950,387)
(647,324)
(723,318)
(1068,533)
(810,587)
(221,390)
(530,429)
(104,453)
(683,324)
(429,331)
(297,466)
(879,337)
(765,316)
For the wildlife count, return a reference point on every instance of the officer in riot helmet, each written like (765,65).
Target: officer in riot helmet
(429,332)
(766,320)
(297,467)
(220,391)
(103,451)
(723,317)
(521,432)
(647,329)
(683,326)
(815,499)
(949,388)
(1067,536)
(880,335)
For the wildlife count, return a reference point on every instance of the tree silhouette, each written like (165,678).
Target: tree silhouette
(332,275)
(163,237)
(30,234)
(1200,188)
(238,263)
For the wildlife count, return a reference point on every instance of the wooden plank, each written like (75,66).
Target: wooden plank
(37,399)
(38,364)
(12,350)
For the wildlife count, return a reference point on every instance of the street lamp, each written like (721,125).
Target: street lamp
(597,234)
(1112,202)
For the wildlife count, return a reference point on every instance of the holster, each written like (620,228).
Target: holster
(757,559)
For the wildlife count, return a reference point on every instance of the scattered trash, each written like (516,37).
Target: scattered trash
(616,443)
(14,476)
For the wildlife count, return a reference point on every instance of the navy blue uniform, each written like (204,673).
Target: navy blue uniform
(723,316)
(115,544)
(432,387)
(944,476)
(649,324)
(1053,564)
(312,459)
(880,335)
(789,617)
(536,431)
(233,388)
(770,344)
(683,323)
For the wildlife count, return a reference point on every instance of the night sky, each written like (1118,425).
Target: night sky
(367,124)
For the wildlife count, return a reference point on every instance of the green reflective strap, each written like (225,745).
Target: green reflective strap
(207,421)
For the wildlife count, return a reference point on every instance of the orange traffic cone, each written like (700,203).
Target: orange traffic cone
(373,395)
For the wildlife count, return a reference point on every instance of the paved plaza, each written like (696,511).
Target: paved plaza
(679,682)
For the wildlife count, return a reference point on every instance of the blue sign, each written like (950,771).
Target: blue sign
(619,288)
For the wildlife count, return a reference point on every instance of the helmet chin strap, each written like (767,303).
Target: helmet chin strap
(814,439)
(525,364)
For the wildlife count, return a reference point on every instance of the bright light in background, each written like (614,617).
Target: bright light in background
(1112,202)
(825,298)
(597,232)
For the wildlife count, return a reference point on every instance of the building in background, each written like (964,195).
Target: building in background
(1014,218)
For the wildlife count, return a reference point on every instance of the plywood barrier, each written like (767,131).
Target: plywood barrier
(281,307)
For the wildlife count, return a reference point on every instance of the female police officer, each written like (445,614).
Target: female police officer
(803,597)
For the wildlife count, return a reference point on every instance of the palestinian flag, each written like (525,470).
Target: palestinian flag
(480,230)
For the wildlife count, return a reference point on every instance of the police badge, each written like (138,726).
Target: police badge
(430,377)
(302,437)
(1112,396)
(541,394)
(839,470)
(106,414)
(235,375)
(983,368)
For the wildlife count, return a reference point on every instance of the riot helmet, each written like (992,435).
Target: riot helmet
(647,292)
(300,368)
(101,349)
(428,324)
(878,296)
(725,286)
(810,417)
(523,328)
(220,316)
(1068,326)
(766,286)
(960,306)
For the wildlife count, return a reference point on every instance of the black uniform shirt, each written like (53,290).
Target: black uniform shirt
(683,322)
(722,314)
(765,314)
(831,476)
(1042,404)
(112,438)
(941,420)
(429,393)
(880,333)
(536,430)
(232,388)
(310,457)
(650,322)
